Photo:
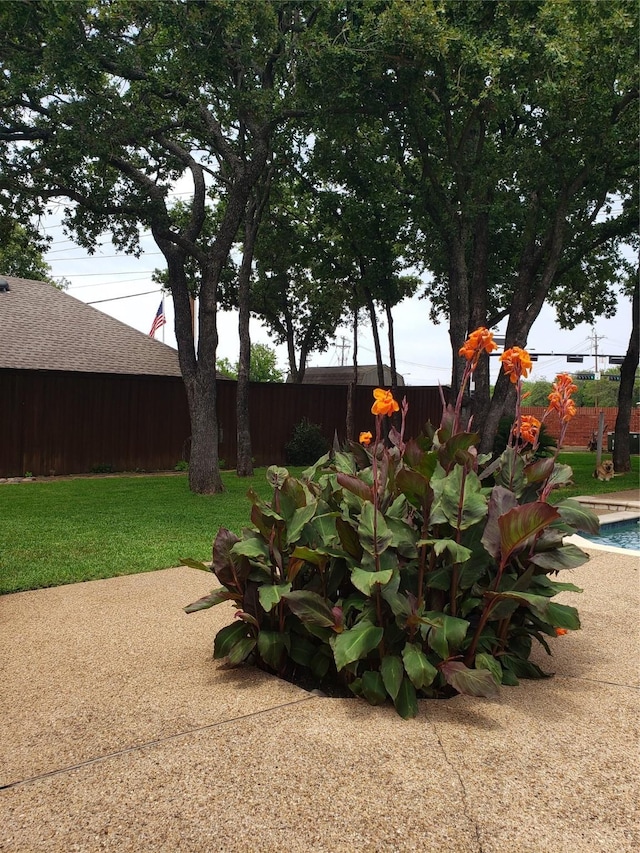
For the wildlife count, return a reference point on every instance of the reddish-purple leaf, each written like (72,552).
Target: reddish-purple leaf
(522,522)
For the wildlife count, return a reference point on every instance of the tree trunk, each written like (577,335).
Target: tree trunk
(392,350)
(204,467)
(376,335)
(244,466)
(350,423)
(458,312)
(253,217)
(621,448)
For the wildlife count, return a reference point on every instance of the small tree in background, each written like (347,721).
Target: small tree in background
(263,367)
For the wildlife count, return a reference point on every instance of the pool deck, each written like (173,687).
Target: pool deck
(118,732)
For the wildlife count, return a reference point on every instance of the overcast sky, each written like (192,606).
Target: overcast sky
(423,351)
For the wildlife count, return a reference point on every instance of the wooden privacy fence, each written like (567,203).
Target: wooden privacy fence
(56,422)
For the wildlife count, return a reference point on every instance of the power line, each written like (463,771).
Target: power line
(129,296)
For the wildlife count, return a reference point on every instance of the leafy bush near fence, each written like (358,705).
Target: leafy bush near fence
(306,445)
(406,569)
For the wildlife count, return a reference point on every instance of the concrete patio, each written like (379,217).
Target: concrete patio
(119,732)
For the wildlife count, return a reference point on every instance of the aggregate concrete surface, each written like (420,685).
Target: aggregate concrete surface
(119,732)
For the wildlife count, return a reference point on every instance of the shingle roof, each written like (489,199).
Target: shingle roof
(367,375)
(43,328)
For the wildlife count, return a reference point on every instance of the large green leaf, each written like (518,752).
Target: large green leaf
(366,581)
(349,539)
(356,486)
(511,471)
(404,537)
(406,701)
(392,672)
(447,633)
(563,616)
(270,594)
(372,687)
(310,608)
(561,476)
(195,564)
(558,615)
(227,637)
(216,596)
(578,516)
(522,522)
(456,448)
(471,682)
(415,486)
(271,647)
(485,661)
(253,547)
(421,460)
(355,643)
(500,502)
(567,557)
(459,553)
(309,555)
(302,650)
(301,516)
(241,650)
(418,668)
(370,521)
(458,499)
(276,476)
(325,529)
(539,470)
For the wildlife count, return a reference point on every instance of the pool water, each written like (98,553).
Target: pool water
(620,534)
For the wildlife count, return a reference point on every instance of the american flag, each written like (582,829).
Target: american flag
(158,320)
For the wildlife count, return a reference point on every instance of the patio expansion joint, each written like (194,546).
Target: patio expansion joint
(151,743)
(472,820)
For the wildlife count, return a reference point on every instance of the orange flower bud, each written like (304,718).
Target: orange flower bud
(365,438)
(560,632)
(384,403)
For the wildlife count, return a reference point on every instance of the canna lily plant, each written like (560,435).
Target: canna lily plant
(407,568)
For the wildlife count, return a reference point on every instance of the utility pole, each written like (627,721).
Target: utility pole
(343,346)
(594,338)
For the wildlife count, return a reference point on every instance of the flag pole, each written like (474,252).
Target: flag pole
(164,315)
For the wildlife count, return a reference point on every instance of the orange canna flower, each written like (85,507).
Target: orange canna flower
(365,438)
(478,342)
(516,363)
(529,429)
(560,397)
(384,403)
(560,632)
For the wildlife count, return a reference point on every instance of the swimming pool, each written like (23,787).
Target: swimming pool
(618,534)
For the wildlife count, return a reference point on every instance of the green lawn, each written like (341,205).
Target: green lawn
(62,531)
(584,483)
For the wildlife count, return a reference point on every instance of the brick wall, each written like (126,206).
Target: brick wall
(585,423)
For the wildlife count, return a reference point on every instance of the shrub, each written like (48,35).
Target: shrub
(396,570)
(103,468)
(307,444)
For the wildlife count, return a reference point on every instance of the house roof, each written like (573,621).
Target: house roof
(367,375)
(44,328)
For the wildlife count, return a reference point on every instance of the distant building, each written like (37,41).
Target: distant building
(367,375)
